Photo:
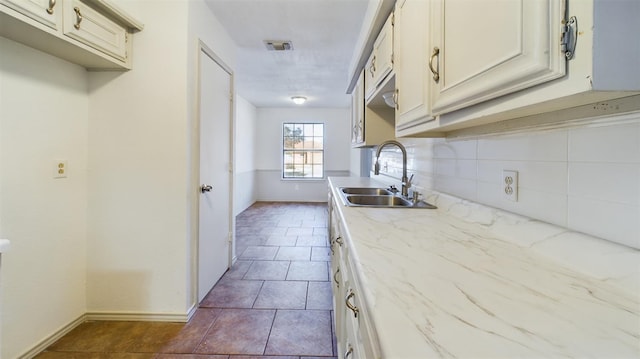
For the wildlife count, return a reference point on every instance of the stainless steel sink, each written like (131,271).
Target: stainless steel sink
(378,197)
(378,201)
(366,191)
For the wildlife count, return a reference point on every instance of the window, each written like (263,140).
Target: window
(303,150)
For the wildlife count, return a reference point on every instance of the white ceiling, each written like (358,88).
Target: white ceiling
(323,33)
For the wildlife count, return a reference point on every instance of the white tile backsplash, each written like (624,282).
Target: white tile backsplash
(609,182)
(613,221)
(550,177)
(465,149)
(617,143)
(465,169)
(544,146)
(586,178)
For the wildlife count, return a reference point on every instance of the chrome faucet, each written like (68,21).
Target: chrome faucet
(406,182)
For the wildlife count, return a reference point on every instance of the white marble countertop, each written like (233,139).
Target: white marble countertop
(4,245)
(468,281)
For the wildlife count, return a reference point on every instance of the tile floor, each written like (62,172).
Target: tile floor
(275,302)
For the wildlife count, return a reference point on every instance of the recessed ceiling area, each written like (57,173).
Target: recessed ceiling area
(323,34)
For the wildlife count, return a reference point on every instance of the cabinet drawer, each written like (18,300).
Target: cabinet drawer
(46,12)
(86,25)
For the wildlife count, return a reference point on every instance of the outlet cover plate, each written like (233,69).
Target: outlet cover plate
(510,185)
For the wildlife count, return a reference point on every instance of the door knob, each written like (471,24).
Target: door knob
(205,188)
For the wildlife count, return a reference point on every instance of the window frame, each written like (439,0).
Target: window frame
(284,150)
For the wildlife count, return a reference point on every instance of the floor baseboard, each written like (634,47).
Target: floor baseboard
(106,316)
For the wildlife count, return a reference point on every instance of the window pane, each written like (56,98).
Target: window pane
(303,148)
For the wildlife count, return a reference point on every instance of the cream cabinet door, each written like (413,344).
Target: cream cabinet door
(46,12)
(86,25)
(411,43)
(369,76)
(484,49)
(357,111)
(383,52)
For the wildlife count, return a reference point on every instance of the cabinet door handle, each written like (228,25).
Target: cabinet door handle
(372,69)
(395,99)
(335,278)
(78,18)
(339,241)
(353,308)
(349,352)
(436,73)
(52,3)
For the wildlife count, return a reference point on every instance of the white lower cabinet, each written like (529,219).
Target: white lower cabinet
(355,333)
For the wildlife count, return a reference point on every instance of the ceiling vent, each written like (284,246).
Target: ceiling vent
(273,45)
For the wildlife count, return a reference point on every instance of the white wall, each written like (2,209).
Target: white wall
(585,178)
(271,186)
(245,191)
(143,175)
(137,245)
(43,117)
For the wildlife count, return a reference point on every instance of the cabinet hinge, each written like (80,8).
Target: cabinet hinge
(393,18)
(569,37)
(391,58)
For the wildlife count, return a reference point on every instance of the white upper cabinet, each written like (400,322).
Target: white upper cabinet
(357,112)
(411,44)
(481,50)
(46,12)
(370,125)
(380,62)
(91,33)
(88,26)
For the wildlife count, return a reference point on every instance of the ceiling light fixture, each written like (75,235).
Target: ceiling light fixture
(298,100)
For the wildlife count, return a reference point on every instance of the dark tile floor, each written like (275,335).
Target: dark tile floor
(275,302)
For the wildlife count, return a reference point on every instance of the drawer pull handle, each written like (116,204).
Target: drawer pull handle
(78,18)
(335,278)
(349,352)
(52,3)
(372,69)
(353,308)
(339,241)
(436,73)
(395,99)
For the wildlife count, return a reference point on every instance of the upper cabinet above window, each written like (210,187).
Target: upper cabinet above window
(91,33)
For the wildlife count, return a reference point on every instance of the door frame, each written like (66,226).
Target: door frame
(194,186)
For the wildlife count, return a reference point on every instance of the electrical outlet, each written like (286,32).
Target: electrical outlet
(510,185)
(60,168)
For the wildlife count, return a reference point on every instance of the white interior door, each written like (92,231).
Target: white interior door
(215,157)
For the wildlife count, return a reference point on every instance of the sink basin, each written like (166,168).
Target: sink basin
(382,201)
(366,191)
(377,197)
